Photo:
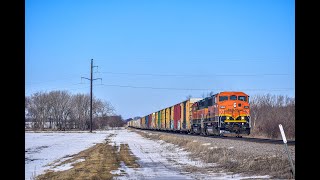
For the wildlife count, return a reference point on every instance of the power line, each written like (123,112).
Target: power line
(197,60)
(168,88)
(191,75)
(166,75)
(196,89)
(53,80)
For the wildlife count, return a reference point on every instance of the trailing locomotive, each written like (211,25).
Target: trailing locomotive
(221,113)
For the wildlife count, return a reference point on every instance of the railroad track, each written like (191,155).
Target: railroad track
(249,139)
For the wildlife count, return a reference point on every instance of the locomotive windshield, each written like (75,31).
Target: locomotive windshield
(242,98)
(233,97)
(223,98)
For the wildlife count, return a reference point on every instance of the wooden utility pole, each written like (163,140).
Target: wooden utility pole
(91,79)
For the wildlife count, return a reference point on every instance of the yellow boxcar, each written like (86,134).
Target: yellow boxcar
(153,122)
(188,105)
(163,119)
(167,118)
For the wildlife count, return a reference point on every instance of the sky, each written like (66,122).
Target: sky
(153,54)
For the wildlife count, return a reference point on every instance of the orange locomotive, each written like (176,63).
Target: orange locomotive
(222,113)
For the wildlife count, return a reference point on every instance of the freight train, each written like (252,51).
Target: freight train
(219,114)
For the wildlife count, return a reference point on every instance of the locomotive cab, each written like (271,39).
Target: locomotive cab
(234,112)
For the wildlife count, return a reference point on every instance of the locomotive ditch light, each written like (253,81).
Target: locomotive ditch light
(222,107)
(246,107)
(242,117)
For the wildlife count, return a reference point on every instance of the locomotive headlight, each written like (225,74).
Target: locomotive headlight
(246,107)
(242,117)
(222,107)
(227,117)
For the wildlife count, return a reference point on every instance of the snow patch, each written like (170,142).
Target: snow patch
(44,148)
(206,144)
(162,160)
(157,159)
(66,166)
(215,147)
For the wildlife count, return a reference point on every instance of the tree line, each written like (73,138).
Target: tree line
(61,110)
(268,111)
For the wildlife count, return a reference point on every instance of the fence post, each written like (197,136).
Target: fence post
(286,147)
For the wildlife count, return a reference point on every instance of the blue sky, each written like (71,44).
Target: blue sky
(152,54)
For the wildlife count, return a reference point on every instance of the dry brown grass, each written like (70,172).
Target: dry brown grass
(127,157)
(228,159)
(100,160)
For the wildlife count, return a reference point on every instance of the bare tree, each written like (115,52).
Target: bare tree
(115,121)
(61,109)
(81,110)
(101,109)
(268,111)
(27,106)
(38,108)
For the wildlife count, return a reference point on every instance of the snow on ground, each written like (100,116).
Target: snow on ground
(47,147)
(158,159)
(161,160)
